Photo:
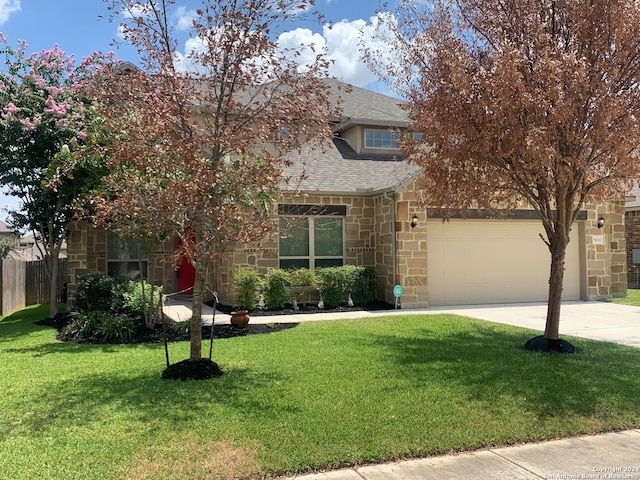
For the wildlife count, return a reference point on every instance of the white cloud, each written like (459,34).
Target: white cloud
(185,19)
(342,43)
(8,7)
(304,42)
(343,46)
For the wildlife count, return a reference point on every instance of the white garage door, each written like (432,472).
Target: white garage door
(492,261)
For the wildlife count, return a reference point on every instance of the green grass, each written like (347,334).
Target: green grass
(632,298)
(321,395)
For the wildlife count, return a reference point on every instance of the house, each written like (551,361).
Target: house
(8,234)
(632,231)
(28,250)
(358,202)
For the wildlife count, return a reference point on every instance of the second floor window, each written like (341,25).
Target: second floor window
(385,139)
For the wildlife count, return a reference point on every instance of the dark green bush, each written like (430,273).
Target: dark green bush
(364,284)
(115,327)
(277,288)
(97,291)
(100,325)
(82,324)
(247,284)
(334,284)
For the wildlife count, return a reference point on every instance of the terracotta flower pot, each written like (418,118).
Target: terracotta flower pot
(240,319)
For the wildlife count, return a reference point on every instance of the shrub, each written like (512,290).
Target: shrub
(82,324)
(363,289)
(101,325)
(303,277)
(334,284)
(134,303)
(247,284)
(97,291)
(115,327)
(277,288)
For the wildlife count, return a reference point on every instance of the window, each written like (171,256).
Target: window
(380,139)
(311,242)
(417,137)
(123,256)
(286,133)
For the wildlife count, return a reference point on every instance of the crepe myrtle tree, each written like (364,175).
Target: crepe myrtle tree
(535,101)
(199,138)
(43,115)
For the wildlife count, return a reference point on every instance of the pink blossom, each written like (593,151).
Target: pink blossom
(55,108)
(9,111)
(54,90)
(29,124)
(3,38)
(82,136)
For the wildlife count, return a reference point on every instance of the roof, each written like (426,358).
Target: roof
(365,107)
(328,171)
(4,228)
(338,168)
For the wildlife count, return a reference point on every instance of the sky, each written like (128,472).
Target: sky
(76,27)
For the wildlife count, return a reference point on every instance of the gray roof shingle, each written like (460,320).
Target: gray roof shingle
(329,172)
(338,168)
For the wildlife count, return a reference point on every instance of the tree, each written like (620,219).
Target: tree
(533,101)
(199,139)
(6,248)
(43,116)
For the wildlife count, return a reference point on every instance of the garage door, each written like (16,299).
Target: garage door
(488,261)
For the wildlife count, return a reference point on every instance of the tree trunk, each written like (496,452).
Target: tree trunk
(196,319)
(53,283)
(556,280)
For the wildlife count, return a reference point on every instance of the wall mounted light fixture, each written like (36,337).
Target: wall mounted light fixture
(414,220)
(601,222)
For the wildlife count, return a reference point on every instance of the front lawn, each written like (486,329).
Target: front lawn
(632,298)
(320,395)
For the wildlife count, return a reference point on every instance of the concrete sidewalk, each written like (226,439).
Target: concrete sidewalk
(606,456)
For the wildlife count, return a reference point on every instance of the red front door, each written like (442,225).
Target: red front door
(186,275)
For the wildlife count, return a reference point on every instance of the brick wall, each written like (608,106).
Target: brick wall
(632,224)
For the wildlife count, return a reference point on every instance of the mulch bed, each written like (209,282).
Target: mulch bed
(372,306)
(145,335)
(202,369)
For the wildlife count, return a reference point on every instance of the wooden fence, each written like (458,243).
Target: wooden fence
(27,283)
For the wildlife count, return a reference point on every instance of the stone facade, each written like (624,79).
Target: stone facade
(607,261)
(87,253)
(378,233)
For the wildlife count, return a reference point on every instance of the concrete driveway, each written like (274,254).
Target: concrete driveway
(595,320)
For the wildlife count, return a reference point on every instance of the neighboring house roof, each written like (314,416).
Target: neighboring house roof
(27,249)
(4,229)
(338,168)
